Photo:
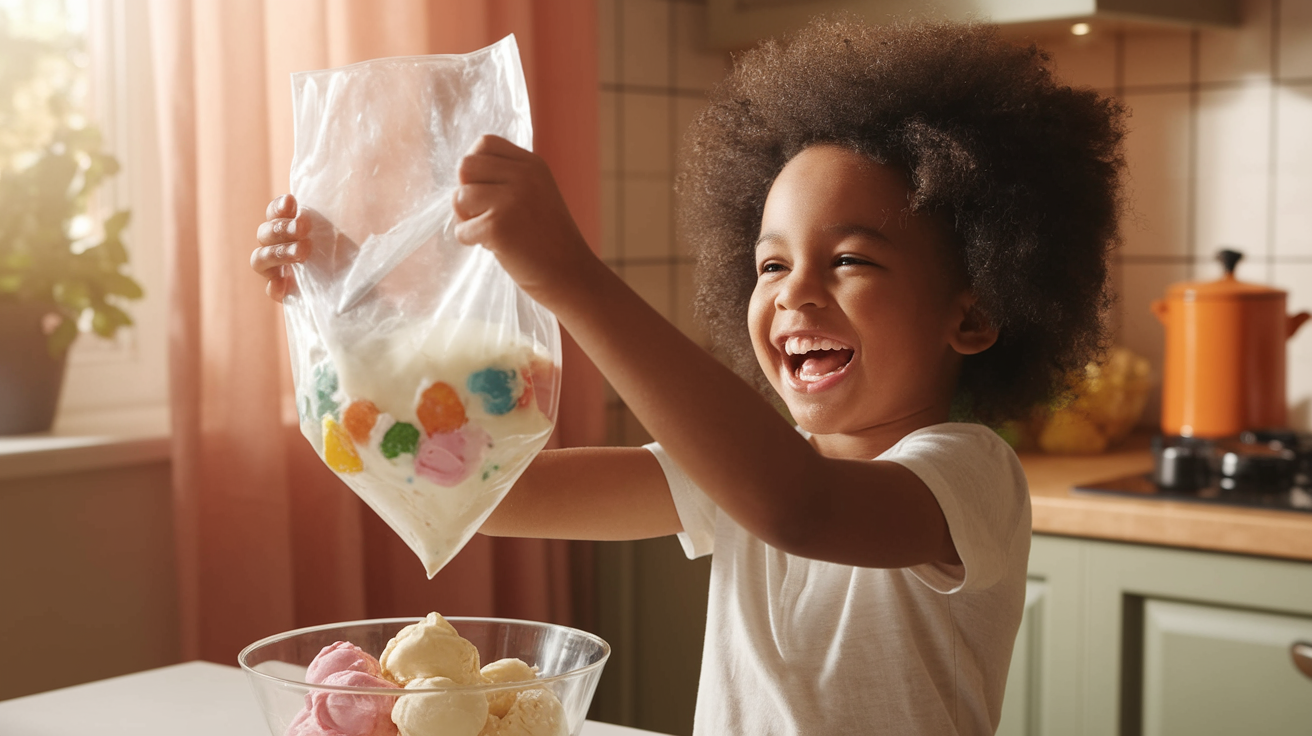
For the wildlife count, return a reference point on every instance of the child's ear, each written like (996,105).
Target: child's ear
(974,331)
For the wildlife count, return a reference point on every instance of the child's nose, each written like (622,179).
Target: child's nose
(802,288)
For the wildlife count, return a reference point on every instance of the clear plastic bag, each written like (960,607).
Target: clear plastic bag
(425,378)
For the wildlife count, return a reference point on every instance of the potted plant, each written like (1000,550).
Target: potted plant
(54,274)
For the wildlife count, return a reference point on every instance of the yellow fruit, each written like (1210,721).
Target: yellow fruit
(338,450)
(1069,433)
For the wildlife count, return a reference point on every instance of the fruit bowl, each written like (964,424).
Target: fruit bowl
(568,663)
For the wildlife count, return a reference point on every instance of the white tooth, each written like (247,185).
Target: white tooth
(804,344)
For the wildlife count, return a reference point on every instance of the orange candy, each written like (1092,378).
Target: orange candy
(440,409)
(338,452)
(359,419)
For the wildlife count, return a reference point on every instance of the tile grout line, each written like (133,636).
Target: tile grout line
(672,242)
(1191,194)
(1272,145)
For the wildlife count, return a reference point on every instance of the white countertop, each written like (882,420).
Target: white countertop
(195,698)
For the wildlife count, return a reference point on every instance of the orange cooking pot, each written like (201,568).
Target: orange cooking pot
(1225,355)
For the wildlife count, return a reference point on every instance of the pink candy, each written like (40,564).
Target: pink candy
(449,458)
(340,657)
(347,714)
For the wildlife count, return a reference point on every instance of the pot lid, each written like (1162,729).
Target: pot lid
(1225,288)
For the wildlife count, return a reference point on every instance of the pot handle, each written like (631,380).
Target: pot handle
(1295,322)
(1161,308)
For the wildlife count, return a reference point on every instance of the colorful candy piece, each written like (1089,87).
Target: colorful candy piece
(401,437)
(496,387)
(338,452)
(325,386)
(449,458)
(440,409)
(359,418)
(526,396)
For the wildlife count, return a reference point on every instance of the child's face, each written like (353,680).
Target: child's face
(855,303)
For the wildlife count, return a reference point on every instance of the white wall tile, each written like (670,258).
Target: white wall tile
(1297,280)
(1293,236)
(686,110)
(607,133)
(607,47)
(696,66)
(1140,331)
(646,131)
(1232,171)
(1084,61)
(1295,37)
(653,284)
(645,43)
(1227,55)
(1157,57)
(1157,151)
(647,203)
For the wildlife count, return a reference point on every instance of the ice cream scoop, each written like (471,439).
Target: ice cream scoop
(328,713)
(430,648)
(536,712)
(506,670)
(340,657)
(450,713)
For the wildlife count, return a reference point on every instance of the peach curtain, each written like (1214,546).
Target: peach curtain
(267,539)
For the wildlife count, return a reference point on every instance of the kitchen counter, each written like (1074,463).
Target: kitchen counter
(195,698)
(1058,509)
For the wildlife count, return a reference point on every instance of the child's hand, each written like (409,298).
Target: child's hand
(508,202)
(283,239)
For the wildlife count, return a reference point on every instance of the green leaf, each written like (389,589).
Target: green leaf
(121,285)
(59,340)
(116,222)
(10,283)
(107,318)
(72,294)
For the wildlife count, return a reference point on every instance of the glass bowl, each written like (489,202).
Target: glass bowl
(568,661)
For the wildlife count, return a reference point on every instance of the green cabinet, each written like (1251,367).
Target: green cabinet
(1146,641)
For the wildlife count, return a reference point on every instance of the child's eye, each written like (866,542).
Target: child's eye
(771,267)
(851,261)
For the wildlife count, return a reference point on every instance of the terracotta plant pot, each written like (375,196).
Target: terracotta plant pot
(30,380)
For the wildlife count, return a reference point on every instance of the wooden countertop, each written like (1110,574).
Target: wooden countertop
(1058,509)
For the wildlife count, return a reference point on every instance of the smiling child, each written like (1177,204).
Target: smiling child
(896,227)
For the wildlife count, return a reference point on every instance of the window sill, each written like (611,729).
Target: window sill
(89,441)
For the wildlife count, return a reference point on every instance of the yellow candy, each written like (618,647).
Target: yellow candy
(338,450)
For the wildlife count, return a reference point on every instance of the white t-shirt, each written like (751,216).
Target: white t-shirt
(800,646)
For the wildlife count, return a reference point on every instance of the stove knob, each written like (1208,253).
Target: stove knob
(1180,469)
(1265,472)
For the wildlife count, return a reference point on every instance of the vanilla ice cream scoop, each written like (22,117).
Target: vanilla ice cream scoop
(536,712)
(506,670)
(431,648)
(451,713)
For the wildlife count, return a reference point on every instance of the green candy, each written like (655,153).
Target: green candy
(400,437)
(325,385)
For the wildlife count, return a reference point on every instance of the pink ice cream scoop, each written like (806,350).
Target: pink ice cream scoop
(448,458)
(347,714)
(341,656)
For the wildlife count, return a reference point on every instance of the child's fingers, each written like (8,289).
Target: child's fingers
(280,284)
(495,145)
(284,206)
(282,230)
(483,168)
(474,231)
(266,260)
(472,200)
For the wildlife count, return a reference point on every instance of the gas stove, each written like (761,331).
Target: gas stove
(1265,469)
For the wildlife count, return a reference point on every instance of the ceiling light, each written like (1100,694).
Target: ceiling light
(1080,29)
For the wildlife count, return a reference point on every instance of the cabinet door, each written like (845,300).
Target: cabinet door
(1020,706)
(1213,670)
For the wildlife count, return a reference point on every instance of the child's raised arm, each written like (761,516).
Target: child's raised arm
(717,428)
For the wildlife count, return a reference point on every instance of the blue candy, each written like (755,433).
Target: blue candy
(497,388)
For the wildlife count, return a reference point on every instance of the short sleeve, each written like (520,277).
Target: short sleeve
(980,485)
(696,510)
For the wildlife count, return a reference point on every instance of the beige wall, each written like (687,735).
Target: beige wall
(87,587)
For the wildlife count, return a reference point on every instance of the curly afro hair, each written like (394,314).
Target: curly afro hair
(1023,170)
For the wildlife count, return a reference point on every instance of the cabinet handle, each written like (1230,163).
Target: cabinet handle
(1301,651)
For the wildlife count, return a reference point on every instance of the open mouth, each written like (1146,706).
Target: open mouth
(814,359)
